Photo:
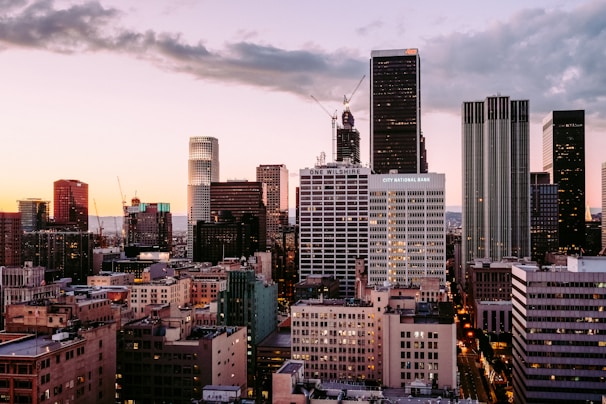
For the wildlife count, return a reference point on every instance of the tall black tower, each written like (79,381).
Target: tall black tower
(396,141)
(564,160)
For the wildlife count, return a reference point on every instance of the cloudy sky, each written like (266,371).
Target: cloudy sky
(98,91)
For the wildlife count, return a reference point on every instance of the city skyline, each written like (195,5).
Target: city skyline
(100,90)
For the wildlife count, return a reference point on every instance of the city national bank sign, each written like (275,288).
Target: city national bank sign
(406,179)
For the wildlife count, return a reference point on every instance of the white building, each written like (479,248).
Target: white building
(559,328)
(174,291)
(496,177)
(203,168)
(333,221)
(407,232)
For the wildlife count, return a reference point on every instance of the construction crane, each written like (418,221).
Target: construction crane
(101,242)
(333,118)
(347,100)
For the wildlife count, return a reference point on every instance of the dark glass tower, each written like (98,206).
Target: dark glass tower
(396,142)
(564,160)
(543,216)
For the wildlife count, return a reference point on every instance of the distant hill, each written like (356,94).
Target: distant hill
(111,224)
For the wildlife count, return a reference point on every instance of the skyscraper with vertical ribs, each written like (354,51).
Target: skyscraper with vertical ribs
(396,141)
(564,160)
(203,168)
(496,174)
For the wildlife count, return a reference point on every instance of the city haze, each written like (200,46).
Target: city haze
(99,90)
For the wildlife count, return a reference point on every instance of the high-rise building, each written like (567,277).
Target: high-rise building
(348,139)
(246,200)
(559,323)
(603,205)
(275,178)
(223,237)
(564,160)
(407,230)
(10,239)
(396,140)
(35,213)
(71,204)
(203,168)
(65,254)
(252,301)
(496,174)
(543,216)
(333,222)
(148,226)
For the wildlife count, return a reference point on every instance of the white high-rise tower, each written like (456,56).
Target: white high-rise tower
(203,168)
(496,176)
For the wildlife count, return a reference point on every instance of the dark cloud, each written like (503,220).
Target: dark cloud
(90,27)
(556,59)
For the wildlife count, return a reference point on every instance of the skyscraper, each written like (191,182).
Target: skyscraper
(34,213)
(10,239)
(348,139)
(496,221)
(406,229)
(148,226)
(333,222)
(203,168)
(246,202)
(275,178)
(603,205)
(396,141)
(564,160)
(543,216)
(71,204)
(559,321)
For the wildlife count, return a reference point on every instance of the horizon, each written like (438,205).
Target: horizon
(114,104)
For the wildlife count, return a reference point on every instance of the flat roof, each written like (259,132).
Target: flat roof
(291,367)
(30,346)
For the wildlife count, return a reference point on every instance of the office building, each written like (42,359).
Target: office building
(348,139)
(226,237)
(10,239)
(559,324)
(543,216)
(496,175)
(564,160)
(64,254)
(24,284)
(406,232)
(148,226)
(333,222)
(252,302)
(169,290)
(603,205)
(35,213)
(275,178)
(285,256)
(164,357)
(40,363)
(71,205)
(203,168)
(246,202)
(342,335)
(396,140)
